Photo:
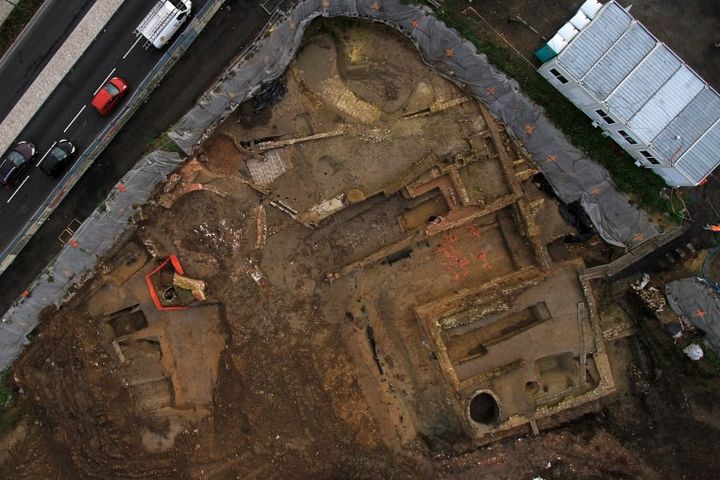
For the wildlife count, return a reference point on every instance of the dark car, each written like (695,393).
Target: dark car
(16,162)
(58,158)
(107,98)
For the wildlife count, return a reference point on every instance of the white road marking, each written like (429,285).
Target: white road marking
(18,189)
(46,154)
(103,82)
(133,46)
(74,118)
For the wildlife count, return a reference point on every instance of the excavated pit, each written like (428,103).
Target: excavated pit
(375,288)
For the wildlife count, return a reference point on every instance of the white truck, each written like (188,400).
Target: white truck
(163,20)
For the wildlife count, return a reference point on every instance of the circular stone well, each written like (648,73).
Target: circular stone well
(484,408)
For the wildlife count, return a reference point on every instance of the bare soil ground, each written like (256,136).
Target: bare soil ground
(288,376)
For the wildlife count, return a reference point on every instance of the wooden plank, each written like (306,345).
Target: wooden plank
(582,320)
(413,172)
(374,257)
(492,374)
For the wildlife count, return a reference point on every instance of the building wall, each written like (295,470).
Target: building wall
(673,177)
(589,105)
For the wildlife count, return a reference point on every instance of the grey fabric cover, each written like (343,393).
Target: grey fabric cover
(699,303)
(571,174)
(95,237)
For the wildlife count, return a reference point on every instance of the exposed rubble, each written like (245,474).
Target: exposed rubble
(354,278)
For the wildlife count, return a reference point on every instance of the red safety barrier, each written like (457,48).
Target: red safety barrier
(151,288)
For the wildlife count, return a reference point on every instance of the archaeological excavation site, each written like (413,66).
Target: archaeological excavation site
(358,273)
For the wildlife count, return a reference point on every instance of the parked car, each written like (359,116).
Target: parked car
(107,98)
(58,158)
(16,162)
(164,19)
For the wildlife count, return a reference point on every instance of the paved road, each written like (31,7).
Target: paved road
(36,47)
(67,114)
(233,26)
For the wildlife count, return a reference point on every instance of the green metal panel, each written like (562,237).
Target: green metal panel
(545,53)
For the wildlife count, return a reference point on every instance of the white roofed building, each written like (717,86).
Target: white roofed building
(638,91)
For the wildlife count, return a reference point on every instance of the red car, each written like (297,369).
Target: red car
(107,98)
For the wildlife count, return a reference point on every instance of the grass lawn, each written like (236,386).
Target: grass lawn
(163,142)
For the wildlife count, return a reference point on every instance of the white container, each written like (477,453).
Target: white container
(579,20)
(557,43)
(590,8)
(567,32)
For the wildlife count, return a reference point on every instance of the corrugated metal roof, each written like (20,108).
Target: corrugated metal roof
(620,60)
(644,81)
(656,98)
(703,157)
(665,104)
(689,125)
(594,40)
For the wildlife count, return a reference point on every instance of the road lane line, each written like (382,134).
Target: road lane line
(18,189)
(46,153)
(103,82)
(133,46)
(75,118)
(55,72)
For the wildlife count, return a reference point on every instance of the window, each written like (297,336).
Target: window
(178,4)
(58,153)
(16,158)
(648,156)
(559,76)
(111,89)
(627,137)
(605,117)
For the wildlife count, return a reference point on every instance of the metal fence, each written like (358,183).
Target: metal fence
(86,159)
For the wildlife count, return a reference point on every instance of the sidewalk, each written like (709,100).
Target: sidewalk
(56,69)
(5,9)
